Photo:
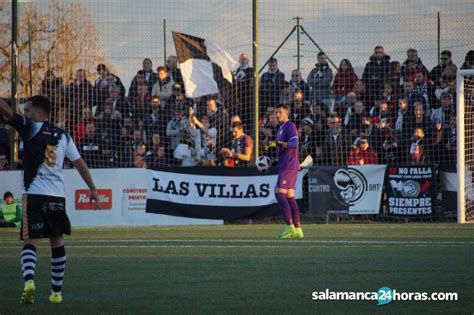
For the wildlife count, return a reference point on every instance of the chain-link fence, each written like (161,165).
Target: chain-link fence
(367,82)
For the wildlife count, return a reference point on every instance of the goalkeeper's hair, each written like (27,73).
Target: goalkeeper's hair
(284,106)
(41,102)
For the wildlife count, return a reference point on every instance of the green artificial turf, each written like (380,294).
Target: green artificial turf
(244,269)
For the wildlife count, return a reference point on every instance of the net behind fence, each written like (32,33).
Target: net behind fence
(364,80)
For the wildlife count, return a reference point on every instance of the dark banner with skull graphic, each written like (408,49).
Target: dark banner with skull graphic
(345,189)
(410,190)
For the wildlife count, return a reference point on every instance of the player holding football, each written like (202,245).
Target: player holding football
(288,166)
(44,204)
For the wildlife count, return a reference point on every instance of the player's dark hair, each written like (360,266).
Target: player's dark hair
(321,54)
(42,102)
(161,68)
(237,124)
(283,106)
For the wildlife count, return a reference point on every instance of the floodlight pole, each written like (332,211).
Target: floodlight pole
(276,51)
(317,46)
(298,30)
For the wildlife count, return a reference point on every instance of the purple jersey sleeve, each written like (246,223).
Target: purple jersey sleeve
(288,158)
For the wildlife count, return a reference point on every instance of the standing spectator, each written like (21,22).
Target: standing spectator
(389,95)
(361,93)
(375,72)
(362,153)
(336,142)
(308,141)
(403,124)
(319,79)
(348,106)
(240,153)
(90,147)
(468,60)
(207,147)
(271,84)
(417,153)
(450,141)
(163,88)
(244,78)
(299,108)
(105,79)
(51,85)
(441,88)
(150,76)
(353,120)
(412,57)
(344,81)
(445,111)
(10,214)
(219,120)
(395,76)
(80,126)
(425,89)
(420,120)
(157,158)
(444,61)
(137,81)
(174,127)
(108,158)
(155,121)
(185,151)
(141,106)
(123,147)
(120,103)
(80,92)
(381,117)
(297,83)
(108,122)
(173,70)
(389,151)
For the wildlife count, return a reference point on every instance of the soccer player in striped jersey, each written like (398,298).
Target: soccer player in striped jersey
(288,166)
(44,205)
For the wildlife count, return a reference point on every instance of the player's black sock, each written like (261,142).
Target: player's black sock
(58,265)
(28,262)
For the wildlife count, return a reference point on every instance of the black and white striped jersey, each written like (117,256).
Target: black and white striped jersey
(45,147)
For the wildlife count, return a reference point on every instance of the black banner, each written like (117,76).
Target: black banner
(410,190)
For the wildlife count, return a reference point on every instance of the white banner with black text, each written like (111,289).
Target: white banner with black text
(215,193)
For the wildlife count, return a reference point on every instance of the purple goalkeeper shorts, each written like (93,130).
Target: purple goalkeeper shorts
(287,179)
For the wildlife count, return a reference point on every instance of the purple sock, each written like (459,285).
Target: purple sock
(285,206)
(295,211)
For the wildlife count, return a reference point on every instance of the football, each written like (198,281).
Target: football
(263,163)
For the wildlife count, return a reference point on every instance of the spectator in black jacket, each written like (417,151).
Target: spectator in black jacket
(271,84)
(375,72)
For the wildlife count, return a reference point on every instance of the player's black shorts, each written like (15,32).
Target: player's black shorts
(44,217)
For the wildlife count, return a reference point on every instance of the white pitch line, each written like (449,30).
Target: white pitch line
(365,242)
(381,242)
(231,246)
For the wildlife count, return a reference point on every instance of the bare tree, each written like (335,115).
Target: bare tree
(63,40)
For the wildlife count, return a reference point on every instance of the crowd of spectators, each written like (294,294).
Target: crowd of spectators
(396,112)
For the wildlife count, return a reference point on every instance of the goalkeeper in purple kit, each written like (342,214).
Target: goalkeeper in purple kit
(288,167)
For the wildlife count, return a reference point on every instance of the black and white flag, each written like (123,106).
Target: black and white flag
(197,58)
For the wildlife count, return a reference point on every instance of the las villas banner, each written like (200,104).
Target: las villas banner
(215,193)
(345,189)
